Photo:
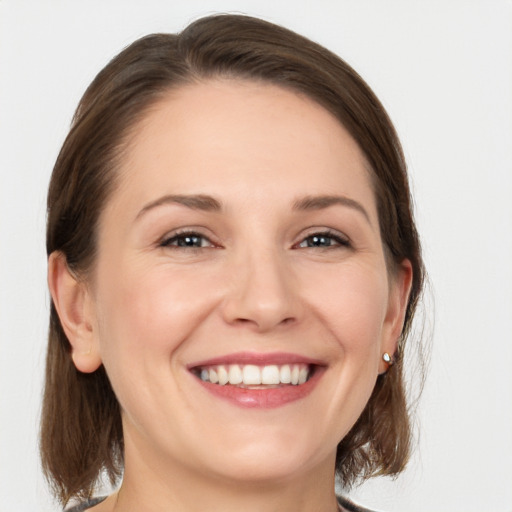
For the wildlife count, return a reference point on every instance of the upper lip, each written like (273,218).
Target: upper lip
(258,359)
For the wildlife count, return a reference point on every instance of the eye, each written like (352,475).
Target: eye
(187,240)
(326,239)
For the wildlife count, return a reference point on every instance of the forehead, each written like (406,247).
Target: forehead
(222,136)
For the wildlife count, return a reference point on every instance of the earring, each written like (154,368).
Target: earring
(387,359)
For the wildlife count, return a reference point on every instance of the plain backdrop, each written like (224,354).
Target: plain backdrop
(443,69)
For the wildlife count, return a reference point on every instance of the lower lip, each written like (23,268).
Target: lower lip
(268,398)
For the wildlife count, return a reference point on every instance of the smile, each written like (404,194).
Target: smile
(250,375)
(260,381)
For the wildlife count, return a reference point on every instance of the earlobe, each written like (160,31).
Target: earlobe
(73,304)
(400,290)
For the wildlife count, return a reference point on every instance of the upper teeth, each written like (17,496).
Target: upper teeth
(252,375)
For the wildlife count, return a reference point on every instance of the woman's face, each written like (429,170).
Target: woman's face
(242,244)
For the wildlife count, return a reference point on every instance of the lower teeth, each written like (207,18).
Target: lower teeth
(262,386)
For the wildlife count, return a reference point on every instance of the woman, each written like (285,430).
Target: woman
(234,269)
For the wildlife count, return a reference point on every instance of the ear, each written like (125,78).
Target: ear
(399,290)
(73,303)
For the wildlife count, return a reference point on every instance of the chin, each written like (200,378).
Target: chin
(271,470)
(267,462)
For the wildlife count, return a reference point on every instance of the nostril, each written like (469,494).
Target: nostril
(264,323)
(243,320)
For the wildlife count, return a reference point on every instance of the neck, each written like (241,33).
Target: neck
(154,488)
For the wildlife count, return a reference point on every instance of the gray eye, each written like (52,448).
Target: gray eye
(319,241)
(187,240)
(324,240)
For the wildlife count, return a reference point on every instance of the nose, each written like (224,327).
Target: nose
(262,292)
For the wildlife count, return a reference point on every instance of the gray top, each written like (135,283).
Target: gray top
(345,505)
(85,504)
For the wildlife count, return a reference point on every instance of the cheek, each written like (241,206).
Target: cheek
(352,302)
(146,318)
(149,312)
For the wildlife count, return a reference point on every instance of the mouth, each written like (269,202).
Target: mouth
(251,376)
(251,382)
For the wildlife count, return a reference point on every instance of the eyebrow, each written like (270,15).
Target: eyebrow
(194,202)
(210,204)
(322,202)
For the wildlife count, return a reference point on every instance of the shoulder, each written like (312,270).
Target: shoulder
(349,506)
(81,507)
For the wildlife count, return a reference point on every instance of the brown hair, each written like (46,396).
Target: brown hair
(81,434)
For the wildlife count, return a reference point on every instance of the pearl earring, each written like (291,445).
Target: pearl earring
(387,359)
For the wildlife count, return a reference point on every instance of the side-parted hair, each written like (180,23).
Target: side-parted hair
(81,431)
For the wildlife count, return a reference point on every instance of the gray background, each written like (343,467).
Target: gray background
(443,69)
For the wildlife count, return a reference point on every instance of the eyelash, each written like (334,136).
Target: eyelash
(187,237)
(340,241)
(183,236)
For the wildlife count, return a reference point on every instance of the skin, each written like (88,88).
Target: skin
(148,311)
